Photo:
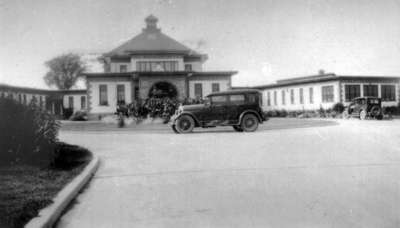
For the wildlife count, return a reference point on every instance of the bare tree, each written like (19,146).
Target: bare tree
(64,70)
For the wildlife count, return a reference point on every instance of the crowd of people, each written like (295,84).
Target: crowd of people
(154,107)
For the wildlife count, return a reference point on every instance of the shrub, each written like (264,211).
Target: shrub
(68,156)
(391,110)
(67,113)
(338,107)
(27,133)
(79,116)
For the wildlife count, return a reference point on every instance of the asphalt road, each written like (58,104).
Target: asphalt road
(290,173)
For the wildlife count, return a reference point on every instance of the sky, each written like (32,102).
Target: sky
(264,40)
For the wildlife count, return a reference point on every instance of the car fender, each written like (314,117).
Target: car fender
(252,112)
(196,121)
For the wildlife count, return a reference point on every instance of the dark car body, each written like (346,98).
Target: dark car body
(226,108)
(364,107)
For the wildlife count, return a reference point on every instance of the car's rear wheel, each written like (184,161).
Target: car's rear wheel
(363,115)
(249,123)
(237,128)
(184,124)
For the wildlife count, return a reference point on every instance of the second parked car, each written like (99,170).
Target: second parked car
(364,107)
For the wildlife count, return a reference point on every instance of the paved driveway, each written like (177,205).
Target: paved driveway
(290,173)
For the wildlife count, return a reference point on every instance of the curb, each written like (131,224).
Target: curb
(50,214)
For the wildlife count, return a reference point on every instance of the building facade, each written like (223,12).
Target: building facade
(314,92)
(151,65)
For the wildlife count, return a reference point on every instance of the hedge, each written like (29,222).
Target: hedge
(27,133)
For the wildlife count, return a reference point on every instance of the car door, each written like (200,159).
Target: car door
(216,113)
(235,107)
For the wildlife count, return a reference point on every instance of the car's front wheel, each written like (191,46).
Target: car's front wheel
(237,128)
(174,129)
(184,124)
(249,123)
(363,115)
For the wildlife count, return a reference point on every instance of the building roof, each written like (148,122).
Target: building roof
(20,89)
(322,78)
(152,41)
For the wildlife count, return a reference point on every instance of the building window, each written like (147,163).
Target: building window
(120,94)
(83,102)
(371,90)
(311,93)
(198,90)
(388,92)
(123,68)
(188,67)
(24,98)
(20,98)
(103,95)
(144,66)
(40,101)
(136,92)
(351,92)
(268,98)
(70,102)
(301,96)
(283,97)
(292,96)
(215,87)
(275,99)
(327,94)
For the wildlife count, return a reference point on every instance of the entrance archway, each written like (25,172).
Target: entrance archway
(163,89)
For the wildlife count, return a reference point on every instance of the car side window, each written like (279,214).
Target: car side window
(251,98)
(219,100)
(237,99)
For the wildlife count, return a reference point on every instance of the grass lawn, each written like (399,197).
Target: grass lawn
(24,190)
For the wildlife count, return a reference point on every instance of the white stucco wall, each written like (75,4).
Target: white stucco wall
(317,97)
(196,65)
(94,91)
(207,86)
(77,101)
(114,66)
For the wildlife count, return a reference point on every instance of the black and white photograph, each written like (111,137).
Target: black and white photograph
(200,114)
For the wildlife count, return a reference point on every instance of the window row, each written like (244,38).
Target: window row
(103,94)
(147,66)
(388,92)
(327,95)
(22,98)
(155,66)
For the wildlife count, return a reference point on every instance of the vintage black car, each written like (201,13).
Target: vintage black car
(364,107)
(238,108)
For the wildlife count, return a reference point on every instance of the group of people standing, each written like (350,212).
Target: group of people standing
(153,107)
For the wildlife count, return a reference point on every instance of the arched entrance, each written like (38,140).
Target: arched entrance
(163,89)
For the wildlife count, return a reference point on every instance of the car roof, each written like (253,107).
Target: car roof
(234,91)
